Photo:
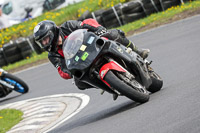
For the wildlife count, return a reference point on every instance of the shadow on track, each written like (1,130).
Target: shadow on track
(103,114)
(9,98)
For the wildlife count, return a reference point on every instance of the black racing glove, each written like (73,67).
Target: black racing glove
(100,30)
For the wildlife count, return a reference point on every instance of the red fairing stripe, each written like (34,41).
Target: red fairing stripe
(91,22)
(104,38)
(62,74)
(110,66)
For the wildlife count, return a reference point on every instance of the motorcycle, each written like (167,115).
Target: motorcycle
(9,82)
(110,66)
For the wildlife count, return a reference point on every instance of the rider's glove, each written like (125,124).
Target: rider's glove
(94,26)
(63,74)
(100,31)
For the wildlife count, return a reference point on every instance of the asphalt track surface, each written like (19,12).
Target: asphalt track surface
(175,51)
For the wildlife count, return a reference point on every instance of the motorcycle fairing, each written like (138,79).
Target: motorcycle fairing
(133,60)
(110,66)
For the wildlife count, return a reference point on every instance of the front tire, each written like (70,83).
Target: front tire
(20,85)
(125,89)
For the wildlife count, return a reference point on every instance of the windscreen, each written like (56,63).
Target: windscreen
(73,43)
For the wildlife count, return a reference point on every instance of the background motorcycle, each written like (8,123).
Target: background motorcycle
(9,82)
(109,66)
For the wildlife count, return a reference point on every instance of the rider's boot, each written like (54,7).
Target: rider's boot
(142,52)
(119,36)
(124,40)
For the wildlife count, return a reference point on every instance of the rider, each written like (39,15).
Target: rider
(51,37)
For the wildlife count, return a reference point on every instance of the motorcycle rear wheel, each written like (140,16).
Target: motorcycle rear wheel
(20,85)
(157,82)
(126,90)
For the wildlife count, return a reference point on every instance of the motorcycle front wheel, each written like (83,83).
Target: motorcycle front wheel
(19,85)
(136,93)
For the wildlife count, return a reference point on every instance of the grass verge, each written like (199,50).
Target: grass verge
(9,118)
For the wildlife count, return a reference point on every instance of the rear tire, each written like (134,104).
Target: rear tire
(157,82)
(125,89)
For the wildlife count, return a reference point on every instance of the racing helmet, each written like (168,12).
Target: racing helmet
(46,35)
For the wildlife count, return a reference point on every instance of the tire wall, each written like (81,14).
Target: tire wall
(18,50)
(133,10)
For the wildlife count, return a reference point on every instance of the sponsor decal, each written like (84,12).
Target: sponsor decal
(83,47)
(90,40)
(84,56)
(76,58)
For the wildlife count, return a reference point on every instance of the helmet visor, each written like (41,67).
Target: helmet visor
(45,42)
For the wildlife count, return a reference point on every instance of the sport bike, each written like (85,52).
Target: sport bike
(110,66)
(9,82)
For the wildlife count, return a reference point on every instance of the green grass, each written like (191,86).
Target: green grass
(158,18)
(29,60)
(9,118)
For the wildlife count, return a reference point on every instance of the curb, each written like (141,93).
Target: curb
(46,113)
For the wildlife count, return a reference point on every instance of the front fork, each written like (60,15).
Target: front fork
(4,83)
